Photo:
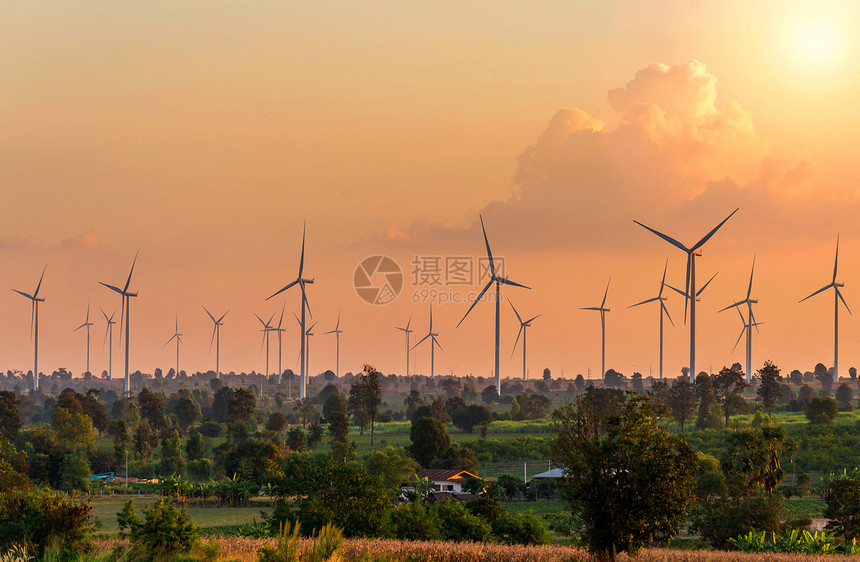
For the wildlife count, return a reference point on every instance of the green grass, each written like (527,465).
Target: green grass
(212,520)
(814,509)
(543,507)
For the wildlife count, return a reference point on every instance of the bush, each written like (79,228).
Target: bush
(460,525)
(40,518)
(211,429)
(163,533)
(415,521)
(821,411)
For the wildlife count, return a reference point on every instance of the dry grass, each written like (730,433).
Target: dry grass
(245,550)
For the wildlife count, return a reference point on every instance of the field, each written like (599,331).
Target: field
(211,520)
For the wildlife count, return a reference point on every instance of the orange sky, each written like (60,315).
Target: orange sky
(150,127)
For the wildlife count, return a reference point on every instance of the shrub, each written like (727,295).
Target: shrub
(415,521)
(39,518)
(164,532)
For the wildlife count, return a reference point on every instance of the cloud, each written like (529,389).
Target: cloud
(85,242)
(17,242)
(677,153)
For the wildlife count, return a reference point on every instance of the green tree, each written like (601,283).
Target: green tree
(10,420)
(187,412)
(241,405)
(844,395)
(821,411)
(842,496)
(296,439)
(152,406)
(305,410)
(172,460)
(729,385)
(164,532)
(473,415)
(195,445)
(390,468)
(682,400)
(429,440)
(769,390)
(412,401)
(630,482)
(705,392)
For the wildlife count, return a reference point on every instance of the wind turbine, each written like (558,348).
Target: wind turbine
(87,325)
(660,298)
(407,331)
(746,328)
(836,298)
(692,253)
(433,344)
(126,311)
(748,322)
(696,299)
(523,326)
(280,332)
(307,346)
(266,329)
(34,326)
(301,281)
(178,337)
(109,332)
(603,310)
(498,281)
(216,336)
(337,332)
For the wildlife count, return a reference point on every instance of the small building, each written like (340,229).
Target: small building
(446,480)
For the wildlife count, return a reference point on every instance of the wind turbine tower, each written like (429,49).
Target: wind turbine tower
(337,332)
(498,280)
(837,296)
(280,330)
(603,310)
(301,282)
(522,331)
(267,327)
(407,331)
(109,334)
(216,337)
(34,326)
(433,343)
(660,298)
(126,311)
(692,252)
(749,322)
(87,325)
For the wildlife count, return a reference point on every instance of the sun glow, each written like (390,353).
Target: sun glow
(817,41)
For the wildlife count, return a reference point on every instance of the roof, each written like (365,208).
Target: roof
(554,473)
(443,475)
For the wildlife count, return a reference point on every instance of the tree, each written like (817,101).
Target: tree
(196,445)
(629,481)
(276,423)
(296,439)
(240,406)
(769,390)
(306,410)
(163,534)
(390,468)
(842,495)
(489,395)
(796,377)
(152,408)
(682,400)
(332,404)
(451,387)
(372,396)
(473,415)
(187,412)
(10,420)
(412,401)
(729,385)
(822,376)
(547,375)
(429,440)
(171,453)
(356,404)
(821,411)
(844,395)
(532,407)
(705,392)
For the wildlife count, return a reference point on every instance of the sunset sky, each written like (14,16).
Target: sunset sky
(202,134)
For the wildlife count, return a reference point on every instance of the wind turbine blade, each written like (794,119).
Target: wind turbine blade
(112,288)
(687,286)
(515,311)
(504,281)
(663,281)
(212,339)
(261,320)
(839,294)
(88,313)
(644,302)
(824,288)
(24,294)
(752,316)
(32,318)
(679,291)
(337,326)
(121,316)
(281,321)
(836,261)
(666,310)
(79,327)
(104,314)
(707,236)
(739,338)
(222,316)
(752,271)
(297,319)
(741,314)
(668,239)
(420,342)
(312,326)
(107,329)
(46,267)
(302,258)
(699,292)
(210,314)
(284,289)
(487,286)
(437,344)
(269,323)
(305,299)
(408,322)
(170,340)
(591,308)
(606,292)
(529,321)
(517,340)
(128,282)
(489,253)
(733,305)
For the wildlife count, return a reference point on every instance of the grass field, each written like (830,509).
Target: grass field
(211,520)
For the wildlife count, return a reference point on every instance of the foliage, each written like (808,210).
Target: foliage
(821,410)
(429,440)
(842,495)
(630,481)
(769,388)
(163,533)
(39,518)
(793,542)
(10,420)
(390,468)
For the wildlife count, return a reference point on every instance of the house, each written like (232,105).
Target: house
(446,480)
